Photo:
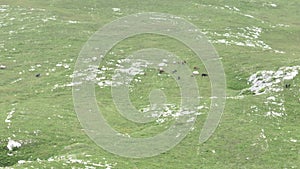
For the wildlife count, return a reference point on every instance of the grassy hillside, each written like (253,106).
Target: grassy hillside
(45,37)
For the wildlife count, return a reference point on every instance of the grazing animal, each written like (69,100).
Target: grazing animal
(204,74)
(2,67)
(174,71)
(183,62)
(178,78)
(38,75)
(196,73)
(161,70)
(287,85)
(196,68)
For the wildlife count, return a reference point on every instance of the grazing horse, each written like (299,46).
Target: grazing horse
(161,70)
(38,75)
(2,67)
(204,74)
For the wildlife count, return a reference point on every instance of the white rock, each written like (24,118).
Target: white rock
(264,81)
(221,41)
(250,16)
(21,162)
(162,64)
(271,98)
(165,60)
(73,21)
(240,43)
(13,144)
(116,9)
(293,140)
(274,114)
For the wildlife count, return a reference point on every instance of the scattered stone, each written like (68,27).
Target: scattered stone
(274,114)
(116,9)
(270,5)
(269,81)
(166,111)
(13,144)
(21,162)
(165,61)
(293,140)
(162,64)
(271,98)
(73,21)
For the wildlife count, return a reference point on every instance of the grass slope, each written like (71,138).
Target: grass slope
(37,35)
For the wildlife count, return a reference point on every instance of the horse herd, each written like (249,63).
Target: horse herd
(161,70)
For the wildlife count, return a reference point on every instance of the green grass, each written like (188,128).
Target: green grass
(45,119)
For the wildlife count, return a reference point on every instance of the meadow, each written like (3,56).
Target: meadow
(41,40)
